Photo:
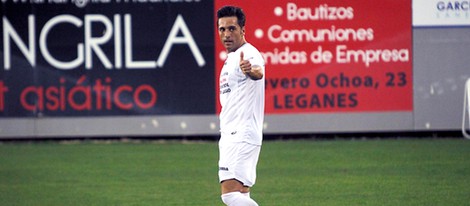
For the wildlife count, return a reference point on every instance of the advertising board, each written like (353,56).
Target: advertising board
(68,67)
(332,56)
(106,58)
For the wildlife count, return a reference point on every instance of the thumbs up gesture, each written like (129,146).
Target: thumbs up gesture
(245,65)
(254,72)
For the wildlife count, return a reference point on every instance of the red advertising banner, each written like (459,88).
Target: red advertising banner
(330,55)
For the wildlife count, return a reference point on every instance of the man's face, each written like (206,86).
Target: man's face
(230,33)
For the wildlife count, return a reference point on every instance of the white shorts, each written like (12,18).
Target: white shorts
(238,161)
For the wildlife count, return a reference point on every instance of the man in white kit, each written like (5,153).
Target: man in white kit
(241,119)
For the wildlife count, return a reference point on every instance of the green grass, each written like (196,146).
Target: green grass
(301,172)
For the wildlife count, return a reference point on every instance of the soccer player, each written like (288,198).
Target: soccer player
(241,119)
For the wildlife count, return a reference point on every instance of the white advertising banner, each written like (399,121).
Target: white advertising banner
(436,13)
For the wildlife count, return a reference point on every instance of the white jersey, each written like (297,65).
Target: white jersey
(242,99)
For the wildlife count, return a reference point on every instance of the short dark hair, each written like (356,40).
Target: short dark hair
(228,11)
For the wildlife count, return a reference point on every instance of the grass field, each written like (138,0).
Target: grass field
(301,172)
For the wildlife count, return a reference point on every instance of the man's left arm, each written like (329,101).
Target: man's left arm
(256,72)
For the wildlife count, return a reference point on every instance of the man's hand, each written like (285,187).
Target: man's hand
(254,72)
